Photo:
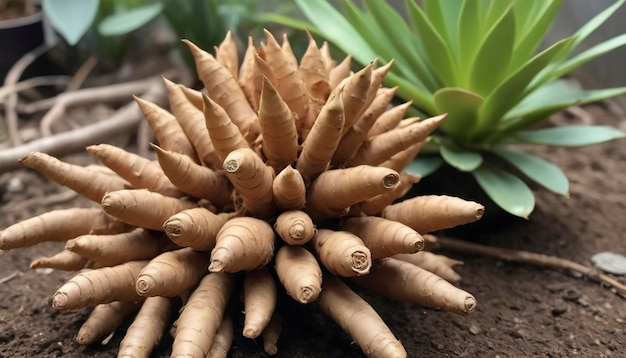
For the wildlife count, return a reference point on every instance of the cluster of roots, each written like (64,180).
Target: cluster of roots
(279,176)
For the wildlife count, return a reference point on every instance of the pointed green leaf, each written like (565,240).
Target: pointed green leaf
(462,159)
(535,32)
(526,13)
(288,21)
(421,97)
(470,34)
(395,32)
(508,93)
(551,98)
(444,16)
(552,94)
(462,107)
(424,166)
(71,18)
(578,37)
(367,26)
(437,51)
(590,26)
(588,55)
(334,26)
(570,135)
(495,11)
(130,20)
(541,171)
(367,29)
(506,190)
(493,56)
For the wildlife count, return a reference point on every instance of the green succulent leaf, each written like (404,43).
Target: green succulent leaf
(333,24)
(571,136)
(437,51)
(462,108)
(365,25)
(71,18)
(508,93)
(551,98)
(588,55)
(550,72)
(443,16)
(424,166)
(590,26)
(506,190)
(391,24)
(130,20)
(416,91)
(462,159)
(538,16)
(493,56)
(539,170)
(289,21)
(495,10)
(470,32)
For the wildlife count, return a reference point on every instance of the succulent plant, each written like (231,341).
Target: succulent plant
(215,183)
(476,60)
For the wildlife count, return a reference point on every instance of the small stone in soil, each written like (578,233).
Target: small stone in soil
(519,333)
(571,295)
(15,185)
(7,335)
(474,329)
(559,310)
(584,301)
(556,287)
(437,344)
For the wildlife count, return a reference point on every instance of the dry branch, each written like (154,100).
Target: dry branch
(124,120)
(525,257)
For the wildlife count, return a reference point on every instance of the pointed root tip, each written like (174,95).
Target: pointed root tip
(27,157)
(84,338)
(418,244)
(390,181)
(480,211)
(216,266)
(360,263)
(251,333)
(173,228)
(144,285)
(60,300)
(307,294)
(469,304)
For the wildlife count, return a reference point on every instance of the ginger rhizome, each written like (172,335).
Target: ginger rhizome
(283,177)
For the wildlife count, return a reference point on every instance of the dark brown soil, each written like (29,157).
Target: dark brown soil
(522,310)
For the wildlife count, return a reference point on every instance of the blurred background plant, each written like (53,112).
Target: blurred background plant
(111,44)
(103,26)
(478,61)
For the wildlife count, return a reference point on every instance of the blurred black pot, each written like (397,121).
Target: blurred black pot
(19,36)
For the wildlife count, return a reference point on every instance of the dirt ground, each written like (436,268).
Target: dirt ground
(522,310)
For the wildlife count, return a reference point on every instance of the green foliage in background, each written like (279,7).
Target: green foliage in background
(204,22)
(478,61)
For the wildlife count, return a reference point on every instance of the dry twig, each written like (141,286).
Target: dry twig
(552,262)
(34,82)
(125,119)
(9,277)
(103,94)
(81,75)
(11,79)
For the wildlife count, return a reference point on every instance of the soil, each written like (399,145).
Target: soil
(522,310)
